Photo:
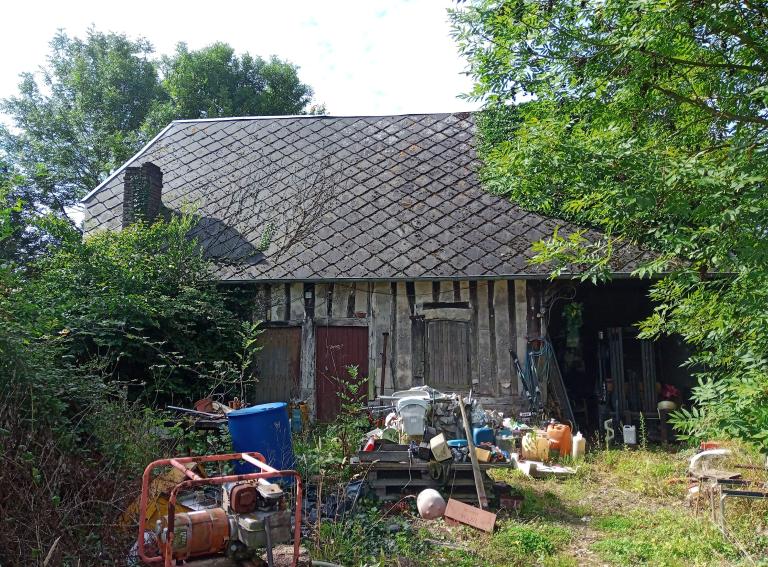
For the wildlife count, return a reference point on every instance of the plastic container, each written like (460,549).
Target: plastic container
(560,437)
(579,446)
(483,435)
(535,448)
(266,429)
(457,443)
(413,412)
(630,435)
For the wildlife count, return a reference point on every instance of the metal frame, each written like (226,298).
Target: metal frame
(253,458)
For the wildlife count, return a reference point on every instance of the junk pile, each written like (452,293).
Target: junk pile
(252,515)
(427,439)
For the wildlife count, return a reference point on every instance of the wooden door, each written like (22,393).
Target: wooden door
(448,355)
(338,348)
(278,365)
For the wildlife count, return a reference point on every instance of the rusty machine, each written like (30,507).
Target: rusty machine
(253,515)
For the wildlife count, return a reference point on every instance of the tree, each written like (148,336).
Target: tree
(650,122)
(83,118)
(214,82)
(99,99)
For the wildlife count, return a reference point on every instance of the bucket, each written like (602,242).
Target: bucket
(265,429)
(630,435)
(413,411)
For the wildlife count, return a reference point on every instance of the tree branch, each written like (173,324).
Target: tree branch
(707,108)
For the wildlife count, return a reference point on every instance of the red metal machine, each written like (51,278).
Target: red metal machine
(212,531)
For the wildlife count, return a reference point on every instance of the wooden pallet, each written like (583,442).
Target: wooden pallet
(392,481)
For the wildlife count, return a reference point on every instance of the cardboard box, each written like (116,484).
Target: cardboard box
(483,455)
(440,449)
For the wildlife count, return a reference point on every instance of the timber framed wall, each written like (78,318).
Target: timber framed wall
(424,319)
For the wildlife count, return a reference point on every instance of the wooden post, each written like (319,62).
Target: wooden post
(384,364)
(482,499)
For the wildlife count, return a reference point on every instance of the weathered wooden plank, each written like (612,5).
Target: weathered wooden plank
(504,376)
(469,515)
(521,323)
(381,312)
(341,322)
(485,366)
(493,374)
(402,332)
(340,300)
(278,301)
(423,291)
(297,301)
(446,293)
(361,298)
(448,355)
(308,356)
(321,300)
(350,299)
(474,333)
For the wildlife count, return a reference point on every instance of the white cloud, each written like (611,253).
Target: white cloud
(361,57)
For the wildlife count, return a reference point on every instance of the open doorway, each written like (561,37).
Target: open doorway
(607,370)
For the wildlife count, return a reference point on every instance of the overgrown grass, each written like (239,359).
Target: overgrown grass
(662,538)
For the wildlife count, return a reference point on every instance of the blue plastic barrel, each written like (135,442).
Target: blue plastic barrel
(266,429)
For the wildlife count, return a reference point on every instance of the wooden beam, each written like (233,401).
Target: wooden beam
(482,499)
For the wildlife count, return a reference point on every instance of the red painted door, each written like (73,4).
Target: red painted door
(336,349)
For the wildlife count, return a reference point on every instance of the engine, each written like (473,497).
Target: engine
(253,515)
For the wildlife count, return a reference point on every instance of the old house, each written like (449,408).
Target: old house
(369,241)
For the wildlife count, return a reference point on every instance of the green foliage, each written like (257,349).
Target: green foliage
(669,538)
(214,81)
(647,121)
(141,301)
(100,98)
(352,421)
(369,539)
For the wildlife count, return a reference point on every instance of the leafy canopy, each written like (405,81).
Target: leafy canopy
(648,120)
(100,98)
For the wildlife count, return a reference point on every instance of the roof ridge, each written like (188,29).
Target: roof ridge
(318,116)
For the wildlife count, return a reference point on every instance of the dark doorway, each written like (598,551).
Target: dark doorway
(593,329)
(338,348)
(278,365)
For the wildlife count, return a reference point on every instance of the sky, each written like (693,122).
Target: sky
(362,57)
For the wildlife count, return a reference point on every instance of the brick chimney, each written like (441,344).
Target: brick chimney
(142,193)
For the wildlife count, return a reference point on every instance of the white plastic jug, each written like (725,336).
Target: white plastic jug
(630,435)
(413,413)
(579,447)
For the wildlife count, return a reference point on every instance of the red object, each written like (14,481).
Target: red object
(207,533)
(336,349)
(370,445)
(168,549)
(560,438)
(242,498)
(708,445)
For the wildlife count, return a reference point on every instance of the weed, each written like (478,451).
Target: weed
(666,537)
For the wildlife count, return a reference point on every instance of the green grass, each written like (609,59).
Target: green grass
(663,538)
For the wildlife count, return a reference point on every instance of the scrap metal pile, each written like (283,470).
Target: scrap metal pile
(448,442)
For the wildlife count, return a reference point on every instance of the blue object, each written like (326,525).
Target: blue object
(296,420)
(483,435)
(265,429)
(457,443)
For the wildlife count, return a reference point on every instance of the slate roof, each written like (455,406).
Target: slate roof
(387,197)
